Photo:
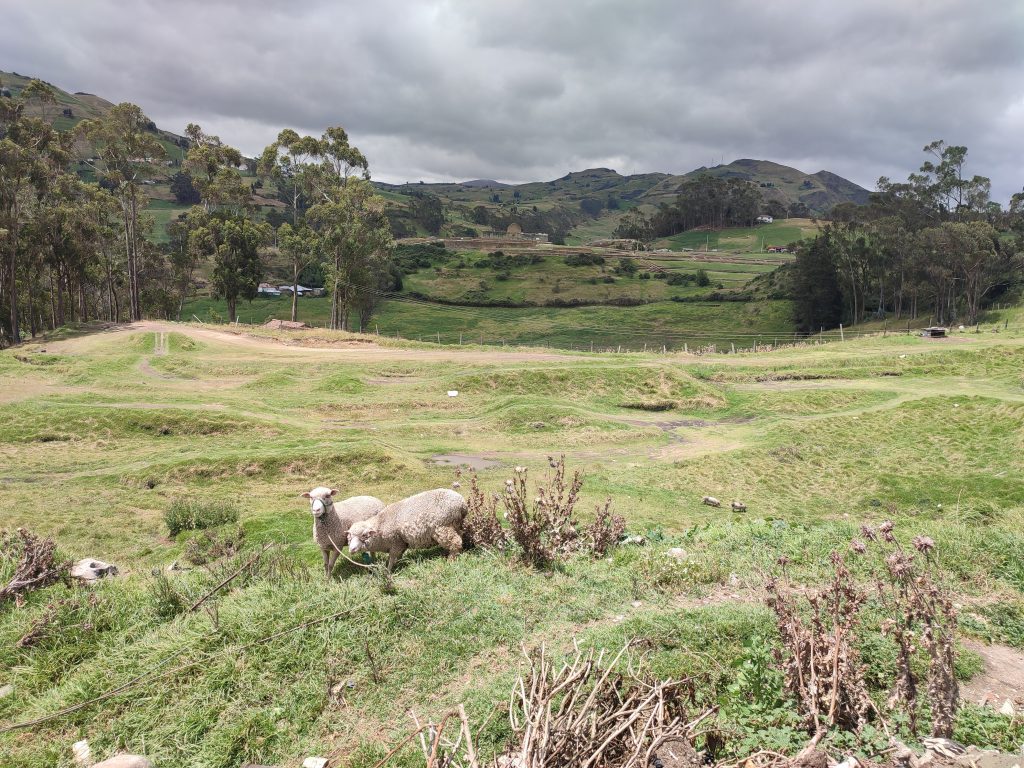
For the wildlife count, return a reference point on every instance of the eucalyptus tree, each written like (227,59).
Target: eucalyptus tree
(288,162)
(221,228)
(234,242)
(299,245)
(25,142)
(355,237)
(126,147)
(293,163)
(350,222)
(213,167)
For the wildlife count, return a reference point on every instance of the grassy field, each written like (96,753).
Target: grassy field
(666,323)
(102,432)
(463,279)
(742,239)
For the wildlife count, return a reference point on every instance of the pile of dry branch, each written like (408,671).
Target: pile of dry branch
(583,713)
(37,565)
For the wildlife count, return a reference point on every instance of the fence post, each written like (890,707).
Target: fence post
(731,344)
(841,336)
(438,337)
(460,338)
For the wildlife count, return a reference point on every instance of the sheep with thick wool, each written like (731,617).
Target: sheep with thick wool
(424,520)
(332,520)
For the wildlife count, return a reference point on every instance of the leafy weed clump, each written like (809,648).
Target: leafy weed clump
(193,515)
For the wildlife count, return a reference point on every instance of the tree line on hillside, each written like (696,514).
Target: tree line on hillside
(706,201)
(935,245)
(74,250)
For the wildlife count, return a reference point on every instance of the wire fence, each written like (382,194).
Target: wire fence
(599,340)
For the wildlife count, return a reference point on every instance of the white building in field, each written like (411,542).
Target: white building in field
(266,289)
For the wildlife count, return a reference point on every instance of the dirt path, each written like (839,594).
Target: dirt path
(1002,678)
(359,350)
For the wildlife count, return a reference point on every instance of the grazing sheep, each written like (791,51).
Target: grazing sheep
(420,521)
(332,520)
(711,501)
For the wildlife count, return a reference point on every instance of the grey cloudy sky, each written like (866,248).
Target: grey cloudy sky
(529,90)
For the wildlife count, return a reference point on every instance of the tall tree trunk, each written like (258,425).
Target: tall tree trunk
(32,327)
(12,288)
(128,246)
(110,291)
(136,300)
(295,291)
(53,299)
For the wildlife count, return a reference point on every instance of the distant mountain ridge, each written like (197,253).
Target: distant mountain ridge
(819,192)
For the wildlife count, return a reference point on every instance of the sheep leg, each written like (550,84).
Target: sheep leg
(328,562)
(394,553)
(450,539)
(332,559)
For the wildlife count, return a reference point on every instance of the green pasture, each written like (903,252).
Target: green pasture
(103,430)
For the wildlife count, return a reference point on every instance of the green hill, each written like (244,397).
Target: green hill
(591,202)
(818,191)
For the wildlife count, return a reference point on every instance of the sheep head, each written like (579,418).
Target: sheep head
(320,500)
(361,535)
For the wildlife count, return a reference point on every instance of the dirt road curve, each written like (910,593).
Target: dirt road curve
(341,349)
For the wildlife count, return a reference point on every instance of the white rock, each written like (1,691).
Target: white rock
(6,690)
(90,569)
(734,580)
(636,603)
(678,553)
(314,762)
(125,761)
(1007,708)
(451,393)
(82,753)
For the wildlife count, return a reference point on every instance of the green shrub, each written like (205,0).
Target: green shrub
(192,515)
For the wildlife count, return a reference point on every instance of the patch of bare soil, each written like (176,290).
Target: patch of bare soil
(1001,679)
(148,370)
(719,594)
(464,460)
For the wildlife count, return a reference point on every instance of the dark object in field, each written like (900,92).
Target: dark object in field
(738,506)
(37,566)
(89,569)
(711,501)
(935,332)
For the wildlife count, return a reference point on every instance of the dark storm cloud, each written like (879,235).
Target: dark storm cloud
(530,90)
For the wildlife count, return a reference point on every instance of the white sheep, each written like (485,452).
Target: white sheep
(420,521)
(332,520)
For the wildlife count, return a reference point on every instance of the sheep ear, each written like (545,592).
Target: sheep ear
(333,491)
(306,495)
